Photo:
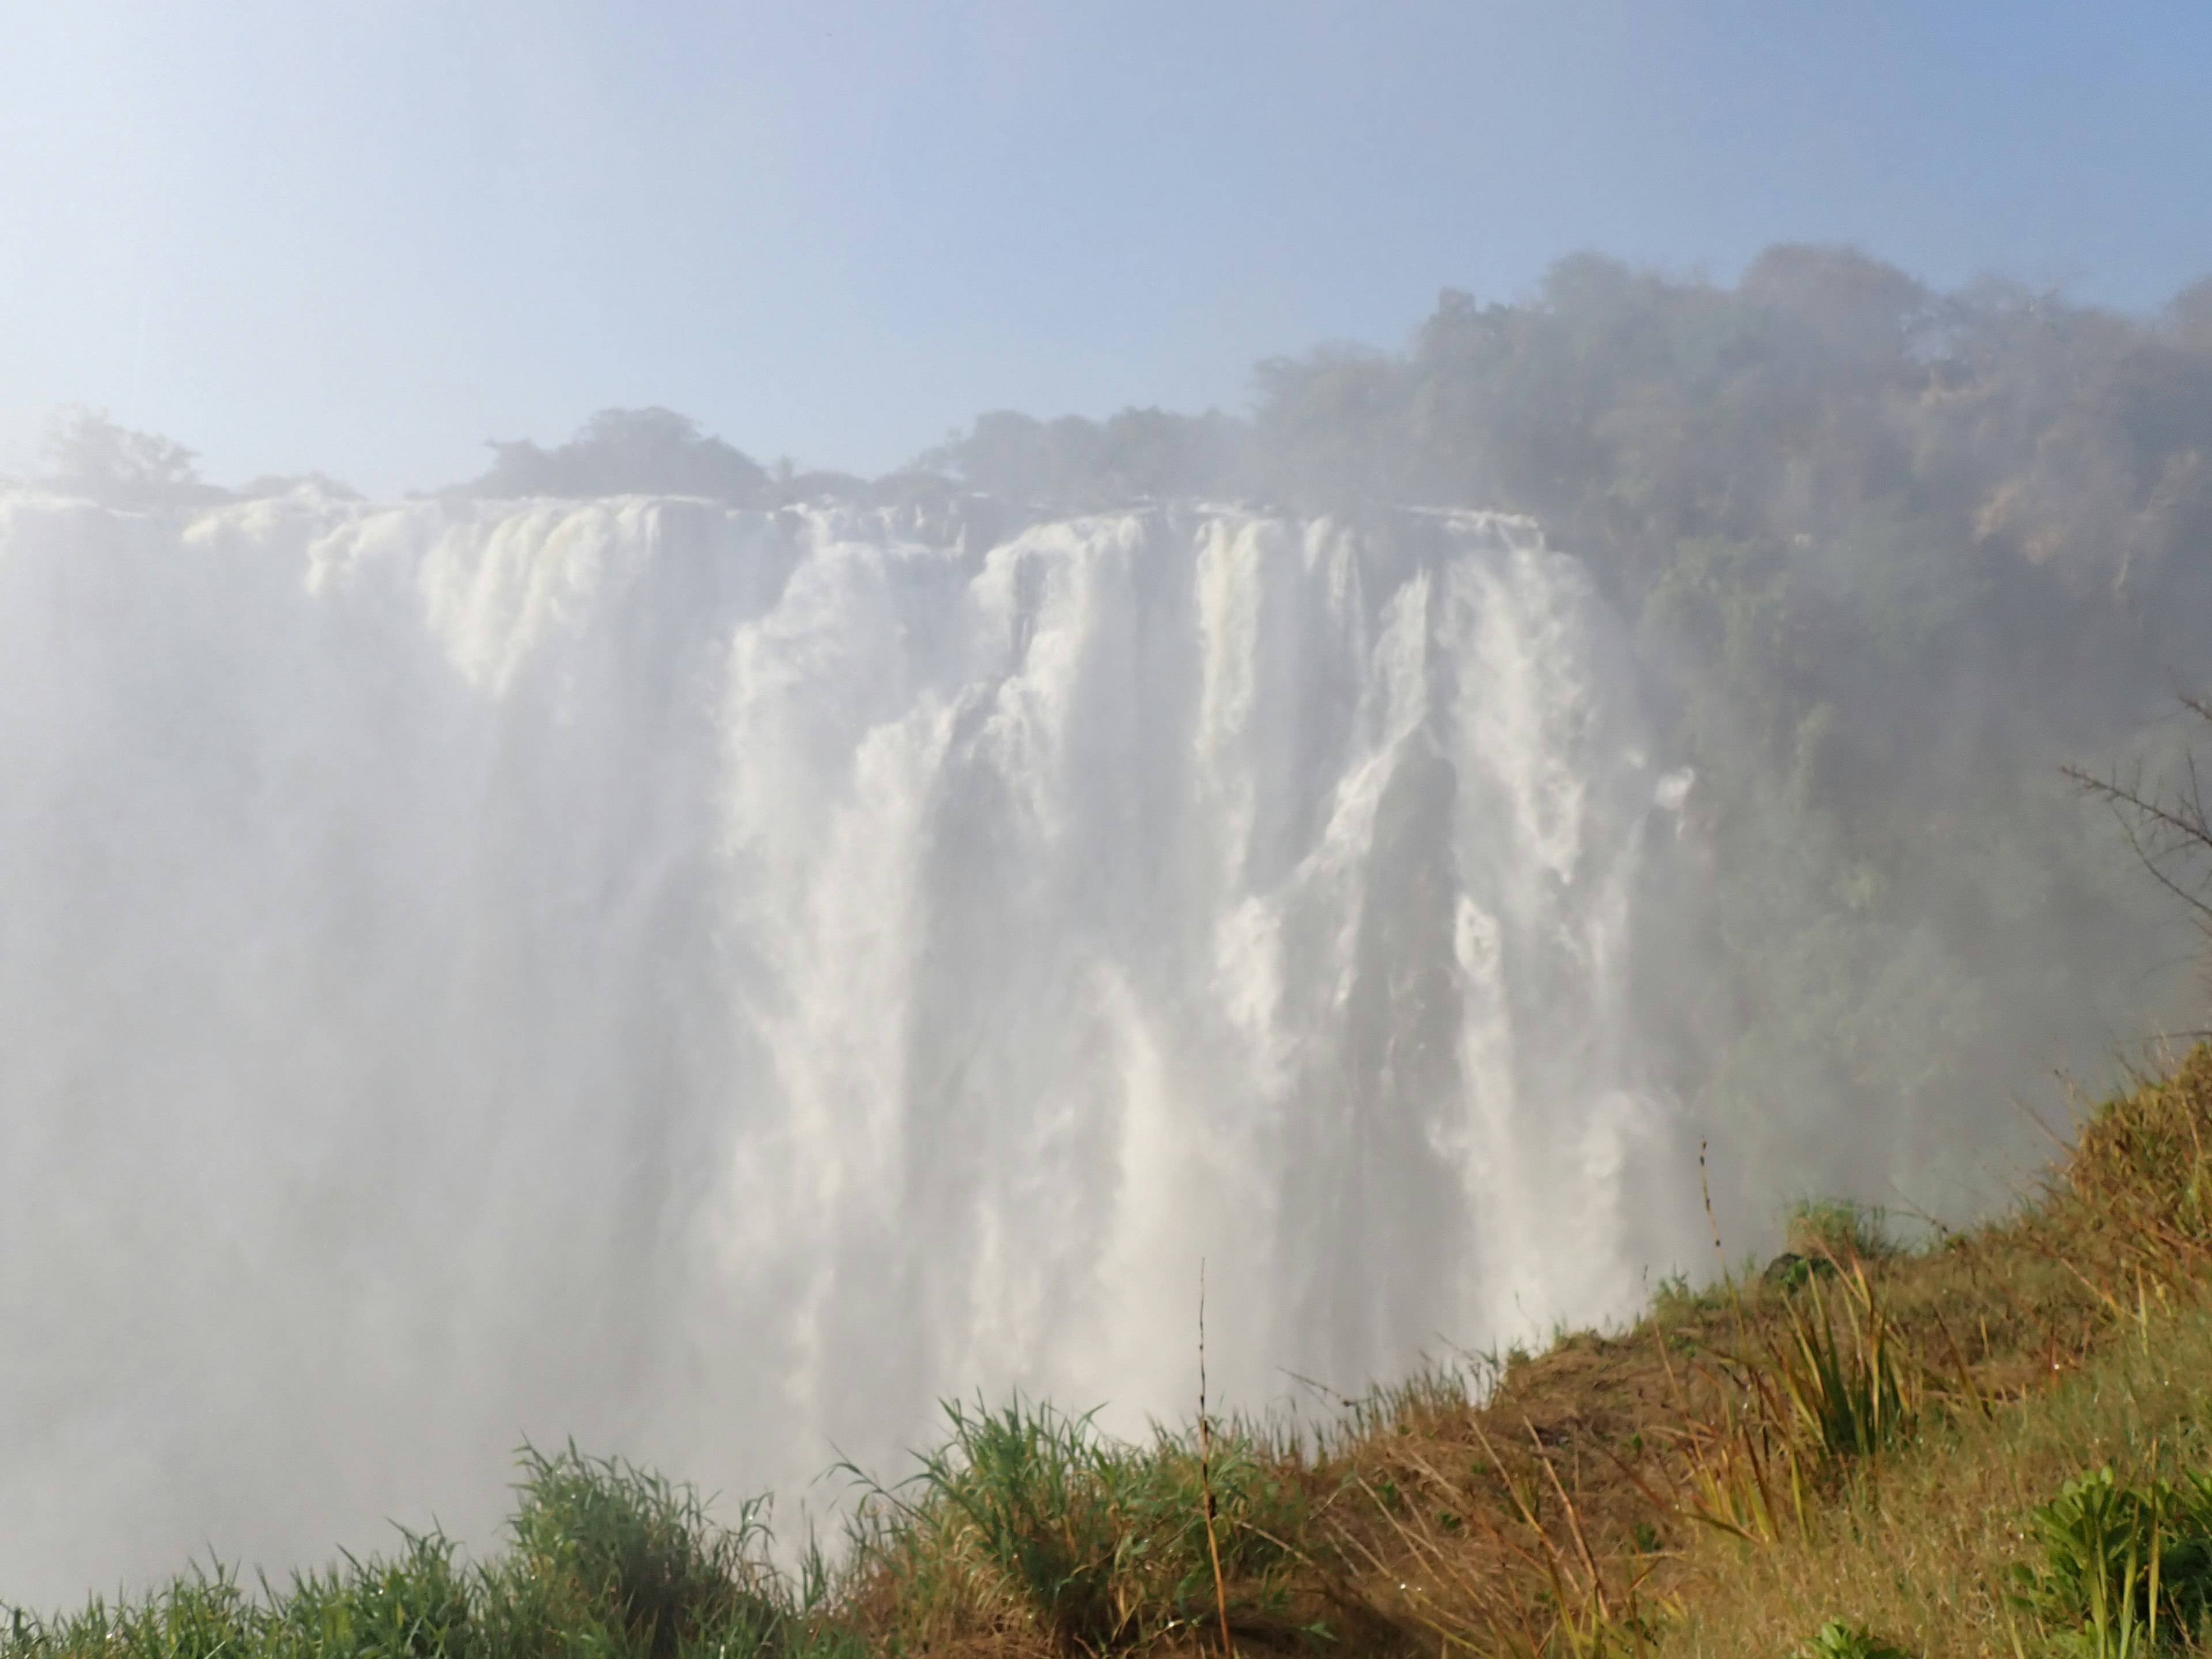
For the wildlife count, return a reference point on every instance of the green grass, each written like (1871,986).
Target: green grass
(1999,1443)
(1838,1230)
(1028,1522)
(2120,1560)
(604,1559)
(1838,1640)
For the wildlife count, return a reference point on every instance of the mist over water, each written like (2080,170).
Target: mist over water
(712,981)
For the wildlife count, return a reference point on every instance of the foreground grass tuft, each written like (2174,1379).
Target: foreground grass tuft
(1028,1525)
(604,1559)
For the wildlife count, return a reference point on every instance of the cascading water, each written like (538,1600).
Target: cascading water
(712,983)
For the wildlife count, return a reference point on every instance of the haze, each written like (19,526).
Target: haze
(1382,628)
(365,239)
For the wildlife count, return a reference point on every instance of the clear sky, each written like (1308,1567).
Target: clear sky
(367,235)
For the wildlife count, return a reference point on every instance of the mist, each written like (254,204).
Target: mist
(709,957)
(1889,557)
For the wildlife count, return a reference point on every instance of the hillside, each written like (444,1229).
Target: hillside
(1996,1444)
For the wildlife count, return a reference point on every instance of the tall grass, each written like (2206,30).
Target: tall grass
(1836,1231)
(604,1559)
(2121,1559)
(2000,1444)
(2047,1501)
(601,1546)
(1030,1518)
(1822,1383)
(1852,1390)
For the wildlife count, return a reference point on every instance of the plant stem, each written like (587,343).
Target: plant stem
(1205,1468)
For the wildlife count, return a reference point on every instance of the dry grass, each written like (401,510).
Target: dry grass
(2073,1335)
(1866,1442)
(1845,1456)
(1923,1547)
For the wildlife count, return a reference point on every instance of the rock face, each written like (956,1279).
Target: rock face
(714,981)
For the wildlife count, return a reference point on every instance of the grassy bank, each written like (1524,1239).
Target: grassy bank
(1998,1443)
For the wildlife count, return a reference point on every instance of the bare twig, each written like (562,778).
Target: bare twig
(2162,829)
(1705,1186)
(1205,1470)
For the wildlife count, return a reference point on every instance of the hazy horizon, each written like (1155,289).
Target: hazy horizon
(369,243)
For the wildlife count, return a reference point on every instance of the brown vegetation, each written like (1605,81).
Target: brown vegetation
(1864,1434)
(1865,1448)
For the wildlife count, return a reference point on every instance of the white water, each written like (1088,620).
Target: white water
(713,982)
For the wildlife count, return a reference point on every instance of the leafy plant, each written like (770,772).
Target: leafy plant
(421,1606)
(1838,1230)
(1838,1640)
(1850,1387)
(2124,1565)
(602,1546)
(1040,1494)
(1105,1544)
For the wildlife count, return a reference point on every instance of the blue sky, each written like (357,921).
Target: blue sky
(367,235)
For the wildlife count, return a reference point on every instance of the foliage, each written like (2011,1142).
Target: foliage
(1837,1229)
(1742,1467)
(621,451)
(601,1545)
(606,1560)
(2123,1562)
(1137,454)
(1851,1391)
(88,453)
(1100,1543)
(1838,1640)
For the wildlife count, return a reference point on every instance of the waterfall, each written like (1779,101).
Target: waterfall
(713,982)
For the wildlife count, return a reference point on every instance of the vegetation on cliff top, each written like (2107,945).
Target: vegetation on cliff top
(1884,558)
